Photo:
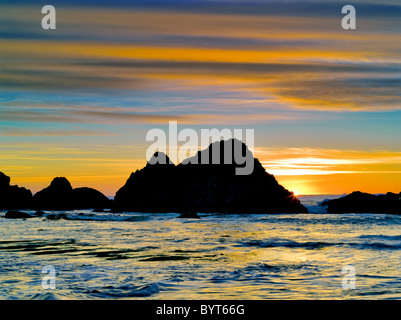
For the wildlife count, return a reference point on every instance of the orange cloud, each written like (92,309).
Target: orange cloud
(307,161)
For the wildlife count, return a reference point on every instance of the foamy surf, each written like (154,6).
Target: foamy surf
(157,256)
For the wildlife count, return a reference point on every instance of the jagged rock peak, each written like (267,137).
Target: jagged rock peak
(4,180)
(160,158)
(61,184)
(13,197)
(229,151)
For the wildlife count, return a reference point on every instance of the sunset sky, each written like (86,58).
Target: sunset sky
(324,102)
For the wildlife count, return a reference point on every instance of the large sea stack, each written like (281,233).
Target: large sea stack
(13,197)
(190,187)
(61,196)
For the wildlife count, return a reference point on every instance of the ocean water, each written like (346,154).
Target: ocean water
(157,256)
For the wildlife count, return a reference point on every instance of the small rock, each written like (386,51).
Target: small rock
(57,216)
(189,215)
(16,215)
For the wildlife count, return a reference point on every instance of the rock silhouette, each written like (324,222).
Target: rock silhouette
(61,196)
(13,197)
(11,214)
(165,187)
(59,216)
(359,202)
(88,198)
(189,215)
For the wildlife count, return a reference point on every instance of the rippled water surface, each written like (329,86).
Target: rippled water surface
(157,256)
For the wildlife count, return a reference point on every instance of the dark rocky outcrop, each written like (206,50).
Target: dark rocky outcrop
(61,196)
(57,196)
(216,188)
(39,213)
(359,202)
(88,198)
(189,215)
(59,216)
(11,214)
(13,197)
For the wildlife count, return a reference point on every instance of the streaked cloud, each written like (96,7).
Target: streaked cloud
(307,161)
(113,117)
(16,132)
(305,61)
(78,100)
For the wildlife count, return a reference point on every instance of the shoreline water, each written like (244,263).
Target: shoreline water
(220,256)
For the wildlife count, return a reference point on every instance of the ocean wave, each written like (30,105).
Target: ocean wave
(380,236)
(289,244)
(166,258)
(125,291)
(259,271)
(106,217)
(311,245)
(34,245)
(45,296)
(376,246)
(264,267)
(89,216)
(311,219)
